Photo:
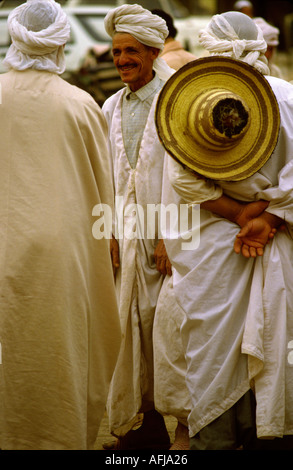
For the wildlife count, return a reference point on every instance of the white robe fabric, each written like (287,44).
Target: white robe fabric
(238,329)
(138,282)
(59,323)
(170,389)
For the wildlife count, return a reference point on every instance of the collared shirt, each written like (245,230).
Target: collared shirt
(135,110)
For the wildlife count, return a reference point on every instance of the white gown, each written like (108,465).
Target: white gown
(238,329)
(132,385)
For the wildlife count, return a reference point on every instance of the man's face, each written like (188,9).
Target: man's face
(133,60)
(270,52)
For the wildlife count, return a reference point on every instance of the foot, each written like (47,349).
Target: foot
(181,438)
(152,434)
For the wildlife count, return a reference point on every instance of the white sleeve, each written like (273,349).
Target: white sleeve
(281,196)
(191,188)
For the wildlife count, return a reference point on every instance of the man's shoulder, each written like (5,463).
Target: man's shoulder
(282,89)
(71,91)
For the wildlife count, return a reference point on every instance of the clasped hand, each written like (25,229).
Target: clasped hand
(162,261)
(257,229)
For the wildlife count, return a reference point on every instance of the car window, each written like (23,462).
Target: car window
(4,35)
(94,24)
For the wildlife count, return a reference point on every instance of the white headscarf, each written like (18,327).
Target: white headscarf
(242,4)
(38,29)
(235,35)
(270,33)
(150,30)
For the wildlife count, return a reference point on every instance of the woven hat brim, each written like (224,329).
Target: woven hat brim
(196,77)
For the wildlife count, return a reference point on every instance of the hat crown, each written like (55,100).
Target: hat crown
(218,118)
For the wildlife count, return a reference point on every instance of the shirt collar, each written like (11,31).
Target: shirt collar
(144,92)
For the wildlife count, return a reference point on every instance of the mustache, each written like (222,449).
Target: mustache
(127,65)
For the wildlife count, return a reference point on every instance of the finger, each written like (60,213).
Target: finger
(169,268)
(260,251)
(243,232)
(272,233)
(237,246)
(163,269)
(161,266)
(252,252)
(245,251)
(115,259)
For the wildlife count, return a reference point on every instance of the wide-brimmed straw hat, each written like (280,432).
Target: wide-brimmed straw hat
(219,117)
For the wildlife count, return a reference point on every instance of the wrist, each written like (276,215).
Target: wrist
(225,207)
(273,220)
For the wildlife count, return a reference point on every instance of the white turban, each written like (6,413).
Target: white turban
(270,33)
(242,4)
(38,29)
(150,30)
(235,35)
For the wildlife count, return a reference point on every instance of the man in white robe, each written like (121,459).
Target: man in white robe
(137,159)
(59,323)
(238,329)
(170,390)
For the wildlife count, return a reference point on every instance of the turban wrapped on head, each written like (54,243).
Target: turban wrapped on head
(147,28)
(242,4)
(235,35)
(39,29)
(270,32)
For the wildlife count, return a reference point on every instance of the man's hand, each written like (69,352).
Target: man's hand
(249,211)
(161,259)
(254,236)
(114,250)
(257,225)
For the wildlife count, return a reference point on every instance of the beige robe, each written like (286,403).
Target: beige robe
(175,56)
(59,323)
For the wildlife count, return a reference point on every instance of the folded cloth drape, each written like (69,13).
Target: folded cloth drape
(39,29)
(222,36)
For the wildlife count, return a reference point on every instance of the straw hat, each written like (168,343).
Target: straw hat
(219,117)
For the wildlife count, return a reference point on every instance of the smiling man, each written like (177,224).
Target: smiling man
(133,60)
(138,36)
